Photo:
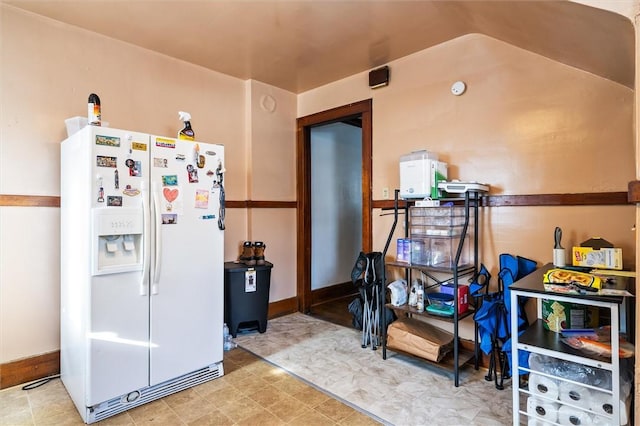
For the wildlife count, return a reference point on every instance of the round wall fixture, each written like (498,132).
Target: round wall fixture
(268,103)
(458,88)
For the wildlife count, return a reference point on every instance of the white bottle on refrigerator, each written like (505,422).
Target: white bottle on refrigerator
(141,267)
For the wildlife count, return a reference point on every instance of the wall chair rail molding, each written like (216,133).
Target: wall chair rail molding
(582,199)
(29,201)
(54,201)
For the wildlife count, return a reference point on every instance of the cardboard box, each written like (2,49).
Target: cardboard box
(438,173)
(604,258)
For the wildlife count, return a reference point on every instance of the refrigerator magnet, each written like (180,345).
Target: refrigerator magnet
(202,199)
(180,157)
(174,203)
(170,194)
(195,153)
(131,192)
(100,190)
(169,219)
(135,167)
(169,180)
(106,161)
(107,140)
(139,146)
(193,174)
(165,143)
(114,201)
(160,162)
(201,161)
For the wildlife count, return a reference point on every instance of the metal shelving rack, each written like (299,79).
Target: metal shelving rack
(471,200)
(536,339)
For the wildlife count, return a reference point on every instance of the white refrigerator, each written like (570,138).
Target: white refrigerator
(142,267)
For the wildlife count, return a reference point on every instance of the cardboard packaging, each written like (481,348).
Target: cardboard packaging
(419,338)
(438,173)
(558,316)
(597,253)
(403,252)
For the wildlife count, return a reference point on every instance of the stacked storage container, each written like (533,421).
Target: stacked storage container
(436,233)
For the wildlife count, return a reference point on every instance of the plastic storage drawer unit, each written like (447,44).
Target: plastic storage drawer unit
(246,296)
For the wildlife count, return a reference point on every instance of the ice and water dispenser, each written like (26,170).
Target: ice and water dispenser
(117,240)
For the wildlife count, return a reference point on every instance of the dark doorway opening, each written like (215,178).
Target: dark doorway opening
(359,114)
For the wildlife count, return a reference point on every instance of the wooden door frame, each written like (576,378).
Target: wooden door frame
(303,176)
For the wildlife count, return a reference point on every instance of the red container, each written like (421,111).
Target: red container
(463,296)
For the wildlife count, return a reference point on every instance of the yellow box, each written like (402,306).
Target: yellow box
(606,258)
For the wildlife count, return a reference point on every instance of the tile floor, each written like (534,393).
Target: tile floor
(401,390)
(252,392)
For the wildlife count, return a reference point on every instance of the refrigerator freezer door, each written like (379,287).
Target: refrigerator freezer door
(118,337)
(104,319)
(187,272)
(118,334)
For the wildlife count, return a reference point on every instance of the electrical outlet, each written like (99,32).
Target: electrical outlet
(385,193)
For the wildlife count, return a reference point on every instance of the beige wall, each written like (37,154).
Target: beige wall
(525,125)
(48,70)
(271,174)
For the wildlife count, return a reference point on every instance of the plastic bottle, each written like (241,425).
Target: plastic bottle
(413,294)
(420,304)
(187,132)
(94,114)
(227,343)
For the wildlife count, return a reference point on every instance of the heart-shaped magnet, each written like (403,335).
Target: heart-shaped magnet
(170,194)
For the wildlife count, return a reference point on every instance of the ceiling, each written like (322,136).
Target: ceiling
(298,45)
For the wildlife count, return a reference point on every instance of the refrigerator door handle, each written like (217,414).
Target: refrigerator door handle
(158,238)
(146,240)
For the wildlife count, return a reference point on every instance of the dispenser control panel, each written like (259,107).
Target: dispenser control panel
(117,240)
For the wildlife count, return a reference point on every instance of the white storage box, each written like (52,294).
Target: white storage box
(75,124)
(415,174)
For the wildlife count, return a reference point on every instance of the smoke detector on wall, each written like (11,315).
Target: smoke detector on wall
(458,88)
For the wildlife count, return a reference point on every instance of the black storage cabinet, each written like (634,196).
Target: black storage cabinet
(246,296)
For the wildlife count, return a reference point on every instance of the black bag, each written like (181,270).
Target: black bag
(355,308)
